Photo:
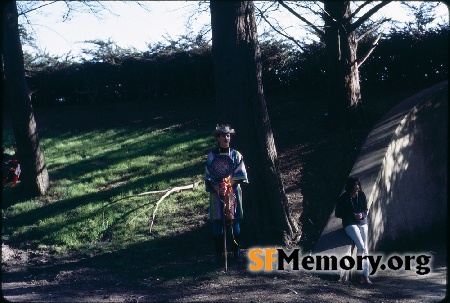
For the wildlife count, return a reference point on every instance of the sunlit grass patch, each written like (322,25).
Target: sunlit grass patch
(95,176)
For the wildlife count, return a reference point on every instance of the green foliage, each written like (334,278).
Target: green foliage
(183,69)
(95,178)
(104,51)
(177,70)
(424,15)
(407,61)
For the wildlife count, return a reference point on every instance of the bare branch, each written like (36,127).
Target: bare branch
(369,52)
(151,192)
(318,31)
(371,30)
(289,37)
(167,192)
(359,8)
(35,8)
(318,10)
(173,190)
(367,15)
(193,16)
(143,7)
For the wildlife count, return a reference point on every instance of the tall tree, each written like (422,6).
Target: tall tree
(240,100)
(34,171)
(341,42)
(341,36)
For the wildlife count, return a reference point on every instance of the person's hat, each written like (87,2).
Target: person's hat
(223,129)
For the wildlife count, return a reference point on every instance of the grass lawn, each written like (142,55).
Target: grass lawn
(96,174)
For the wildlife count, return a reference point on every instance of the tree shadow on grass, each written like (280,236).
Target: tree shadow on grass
(30,219)
(123,153)
(183,256)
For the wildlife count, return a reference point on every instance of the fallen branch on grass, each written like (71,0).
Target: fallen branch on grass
(151,192)
(132,196)
(167,192)
(173,190)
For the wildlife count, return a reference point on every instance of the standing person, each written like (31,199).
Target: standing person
(225,191)
(351,207)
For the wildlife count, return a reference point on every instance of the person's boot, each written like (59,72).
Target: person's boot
(218,249)
(236,249)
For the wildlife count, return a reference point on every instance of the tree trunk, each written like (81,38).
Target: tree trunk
(34,172)
(240,101)
(344,95)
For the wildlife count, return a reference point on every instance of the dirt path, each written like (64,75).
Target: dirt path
(32,276)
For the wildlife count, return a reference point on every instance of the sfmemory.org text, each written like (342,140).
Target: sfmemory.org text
(264,259)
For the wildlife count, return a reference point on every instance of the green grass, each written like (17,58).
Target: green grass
(95,176)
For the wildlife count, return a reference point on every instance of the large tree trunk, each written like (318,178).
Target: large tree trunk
(240,101)
(34,172)
(344,95)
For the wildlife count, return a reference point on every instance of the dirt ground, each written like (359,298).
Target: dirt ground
(314,162)
(31,276)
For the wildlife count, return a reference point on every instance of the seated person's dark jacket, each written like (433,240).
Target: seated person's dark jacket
(346,211)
